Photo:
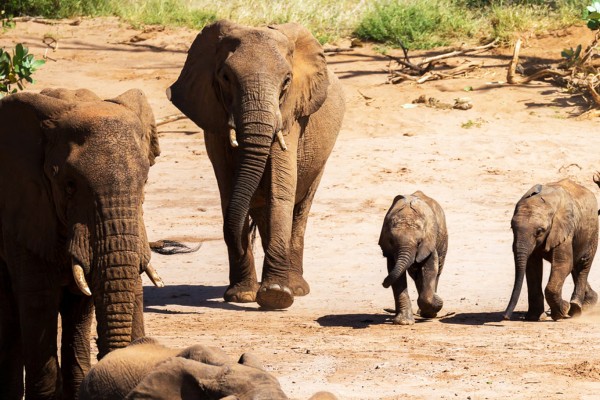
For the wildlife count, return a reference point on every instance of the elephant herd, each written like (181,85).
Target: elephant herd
(73,242)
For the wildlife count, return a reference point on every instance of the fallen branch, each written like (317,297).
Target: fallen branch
(46,21)
(338,50)
(169,119)
(455,53)
(512,66)
(397,77)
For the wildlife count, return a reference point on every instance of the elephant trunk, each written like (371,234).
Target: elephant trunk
(521,253)
(256,125)
(115,273)
(404,258)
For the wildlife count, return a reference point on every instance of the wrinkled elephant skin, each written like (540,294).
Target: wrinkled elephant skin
(557,222)
(72,236)
(148,370)
(414,239)
(271,112)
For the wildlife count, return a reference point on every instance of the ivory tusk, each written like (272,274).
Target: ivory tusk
(232,138)
(154,277)
(281,140)
(79,277)
(168,93)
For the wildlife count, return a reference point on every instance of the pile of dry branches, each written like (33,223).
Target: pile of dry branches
(422,71)
(580,75)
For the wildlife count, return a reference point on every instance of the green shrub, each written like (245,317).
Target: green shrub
(417,24)
(16,69)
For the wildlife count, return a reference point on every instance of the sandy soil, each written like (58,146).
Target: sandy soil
(476,163)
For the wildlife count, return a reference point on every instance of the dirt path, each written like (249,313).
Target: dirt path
(476,163)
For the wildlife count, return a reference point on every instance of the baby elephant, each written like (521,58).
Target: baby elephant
(147,370)
(557,222)
(414,238)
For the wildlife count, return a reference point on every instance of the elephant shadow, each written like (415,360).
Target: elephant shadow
(478,318)
(190,296)
(354,321)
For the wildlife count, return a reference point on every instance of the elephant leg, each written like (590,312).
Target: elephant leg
(562,264)
(298,284)
(591,297)
(404,314)
(243,284)
(429,302)
(275,291)
(38,315)
(242,274)
(76,312)
(534,273)
(580,275)
(11,360)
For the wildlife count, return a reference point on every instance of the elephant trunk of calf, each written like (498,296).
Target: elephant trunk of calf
(521,255)
(405,257)
(256,129)
(116,274)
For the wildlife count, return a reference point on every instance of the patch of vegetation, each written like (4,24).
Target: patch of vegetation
(16,69)
(477,123)
(163,12)
(417,24)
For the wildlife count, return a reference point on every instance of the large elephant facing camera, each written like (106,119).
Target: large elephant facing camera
(72,236)
(271,112)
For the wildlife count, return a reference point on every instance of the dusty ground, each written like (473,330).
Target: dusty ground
(476,163)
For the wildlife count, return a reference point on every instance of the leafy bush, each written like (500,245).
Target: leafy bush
(16,69)
(417,24)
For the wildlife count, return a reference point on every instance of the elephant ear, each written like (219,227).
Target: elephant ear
(430,228)
(27,211)
(386,221)
(563,222)
(136,101)
(72,96)
(310,80)
(194,93)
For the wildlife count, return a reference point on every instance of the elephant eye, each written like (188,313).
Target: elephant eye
(539,231)
(70,188)
(286,83)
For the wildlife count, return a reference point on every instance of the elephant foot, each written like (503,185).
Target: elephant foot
(535,316)
(560,312)
(298,285)
(429,309)
(575,309)
(401,319)
(591,298)
(273,296)
(241,293)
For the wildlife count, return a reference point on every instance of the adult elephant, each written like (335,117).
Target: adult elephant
(72,236)
(271,112)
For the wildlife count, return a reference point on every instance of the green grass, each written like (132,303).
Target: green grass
(418,24)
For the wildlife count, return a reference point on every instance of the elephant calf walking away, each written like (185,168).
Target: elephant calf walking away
(414,239)
(271,112)
(557,222)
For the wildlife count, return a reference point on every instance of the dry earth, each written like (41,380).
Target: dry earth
(476,163)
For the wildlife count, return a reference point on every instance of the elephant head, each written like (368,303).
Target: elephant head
(408,234)
(79,166)
(251,84)
(544,218)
